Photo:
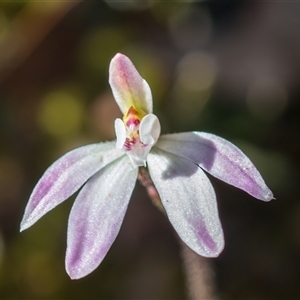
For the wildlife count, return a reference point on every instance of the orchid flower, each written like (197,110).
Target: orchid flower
(108,172)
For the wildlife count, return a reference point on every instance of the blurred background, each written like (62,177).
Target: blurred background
(229,68)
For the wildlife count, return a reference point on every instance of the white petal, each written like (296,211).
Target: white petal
(189,200)
(120,133)
(149,129)
(65,176)
(128,87)
(97,215)
(218,157)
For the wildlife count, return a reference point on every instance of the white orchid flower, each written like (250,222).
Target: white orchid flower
(108,172)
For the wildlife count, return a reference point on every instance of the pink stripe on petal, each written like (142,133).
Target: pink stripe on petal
(65,176)
(128,87)
(220,158)
(97,215)
(189,200)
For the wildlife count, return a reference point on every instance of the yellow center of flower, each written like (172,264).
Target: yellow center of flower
(136,134)
(133,117)
(132,120)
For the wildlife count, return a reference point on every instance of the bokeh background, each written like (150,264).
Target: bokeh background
(229,68)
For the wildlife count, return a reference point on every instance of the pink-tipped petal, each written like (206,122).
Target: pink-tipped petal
(97,215)
(220,158)
(128,87)
(65,176)
(189,200)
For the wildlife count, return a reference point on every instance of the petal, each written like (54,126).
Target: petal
(149,129)
(120,130)
(65,176)
(128,87)
(189,200)
(220,158)
(97,215)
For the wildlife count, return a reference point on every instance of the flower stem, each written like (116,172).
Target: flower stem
(198,274)
(145,180)
(197,269)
